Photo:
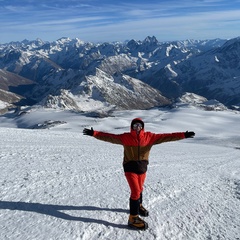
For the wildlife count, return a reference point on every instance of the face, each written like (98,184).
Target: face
(137,126)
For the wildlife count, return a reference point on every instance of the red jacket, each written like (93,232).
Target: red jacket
(137,146)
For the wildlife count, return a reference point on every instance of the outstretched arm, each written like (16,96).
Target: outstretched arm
(107,137)
(167,137)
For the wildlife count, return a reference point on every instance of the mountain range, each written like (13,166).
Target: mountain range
(82,76)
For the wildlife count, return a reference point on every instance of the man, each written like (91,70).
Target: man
(137,144)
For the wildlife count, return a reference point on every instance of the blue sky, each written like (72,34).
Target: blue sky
(106,20)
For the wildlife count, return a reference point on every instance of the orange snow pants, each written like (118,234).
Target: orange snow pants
(135,182)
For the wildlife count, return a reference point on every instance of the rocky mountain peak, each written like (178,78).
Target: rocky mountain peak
(134,74)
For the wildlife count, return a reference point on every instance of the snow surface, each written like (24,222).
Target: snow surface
(58,184)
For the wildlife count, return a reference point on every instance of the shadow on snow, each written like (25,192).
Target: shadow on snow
(55,211)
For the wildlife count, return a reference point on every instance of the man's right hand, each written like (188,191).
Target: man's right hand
(88,132)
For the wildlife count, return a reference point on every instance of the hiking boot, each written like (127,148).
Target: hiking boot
(143,211)
(136,222)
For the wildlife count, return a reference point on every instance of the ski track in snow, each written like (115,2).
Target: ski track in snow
(62,185)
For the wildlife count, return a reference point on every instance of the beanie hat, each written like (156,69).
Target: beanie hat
(137,120)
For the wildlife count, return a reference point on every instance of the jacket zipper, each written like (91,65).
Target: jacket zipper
(138,139)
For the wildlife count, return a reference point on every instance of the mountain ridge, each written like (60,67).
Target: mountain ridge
(167,70)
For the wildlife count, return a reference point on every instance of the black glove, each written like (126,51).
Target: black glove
(189,134)
(88,132)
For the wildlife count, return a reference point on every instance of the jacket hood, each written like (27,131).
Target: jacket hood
(137,120)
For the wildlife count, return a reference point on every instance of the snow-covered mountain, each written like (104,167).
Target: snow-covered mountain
(12,89)
(69,73)
(58,184)
(215,73)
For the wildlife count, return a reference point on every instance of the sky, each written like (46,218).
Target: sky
(106,21)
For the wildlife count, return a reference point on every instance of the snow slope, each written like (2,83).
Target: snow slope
(58,184)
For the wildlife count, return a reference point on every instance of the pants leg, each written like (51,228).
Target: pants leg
(135,182)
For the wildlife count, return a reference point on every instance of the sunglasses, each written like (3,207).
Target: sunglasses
(137,125)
